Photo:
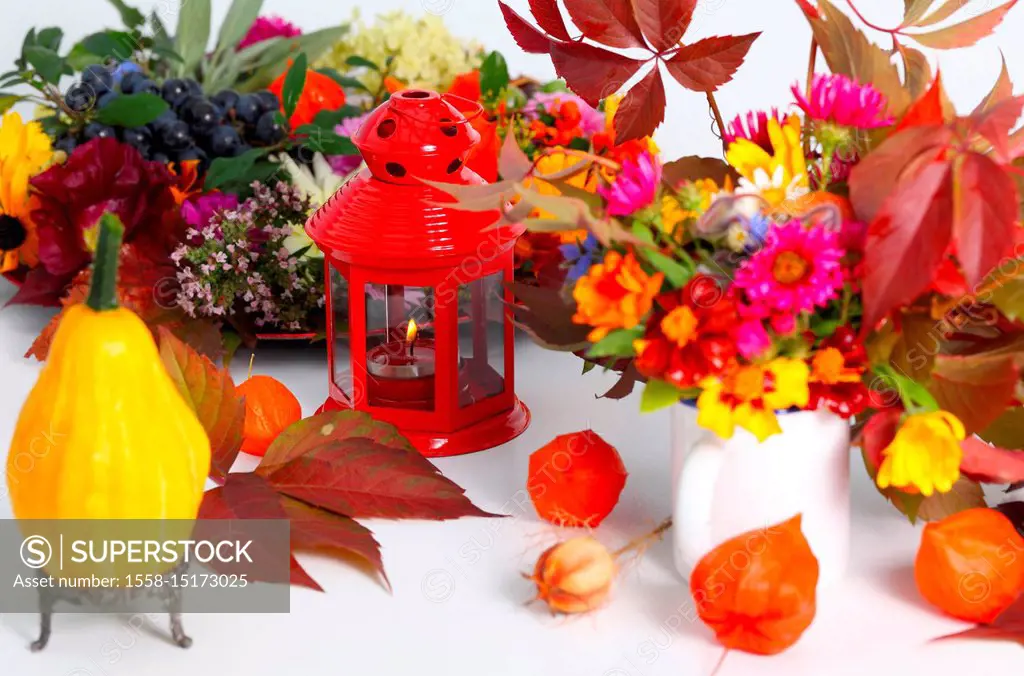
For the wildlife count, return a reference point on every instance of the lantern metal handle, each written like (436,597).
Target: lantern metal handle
(474,110)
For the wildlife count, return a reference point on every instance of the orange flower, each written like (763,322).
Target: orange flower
(393,85)
(188,184)
(320,93)
(615,294)
(466,85)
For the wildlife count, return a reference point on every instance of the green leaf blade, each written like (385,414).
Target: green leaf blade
(132,110)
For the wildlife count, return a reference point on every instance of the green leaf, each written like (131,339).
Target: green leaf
(225,169)
(7,102)
(618,343)
(361,62)
(267,63)
(193,34)
(493,76)
(1008,296)
(46,62)
(677,274)
(588,366)
(343,80)
(657,395)
(131,17)
(50,38)
(332,118)
(79,58)
(30,39)
(132,110)
(326,141)
(642,232)
(294,83)
(240,18)
(554,86)
(913,393)
(115,44)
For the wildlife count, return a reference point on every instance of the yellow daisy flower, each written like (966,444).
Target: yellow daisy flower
(749,396)
(924,455)
(24,151)
(777,177)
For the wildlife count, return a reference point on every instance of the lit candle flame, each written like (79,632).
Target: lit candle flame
(410,334)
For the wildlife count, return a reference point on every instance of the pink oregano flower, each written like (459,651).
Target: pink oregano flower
(634,187)
(838,100)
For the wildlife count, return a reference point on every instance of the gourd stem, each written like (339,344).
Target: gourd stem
(103,287)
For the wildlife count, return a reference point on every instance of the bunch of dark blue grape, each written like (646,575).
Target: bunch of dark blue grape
(195,127)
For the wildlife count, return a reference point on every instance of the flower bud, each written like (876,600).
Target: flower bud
(574,576)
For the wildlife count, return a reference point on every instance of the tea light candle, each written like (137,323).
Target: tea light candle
(402,372)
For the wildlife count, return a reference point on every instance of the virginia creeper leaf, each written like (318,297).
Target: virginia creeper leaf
(965,494)
(549,18)
(966,33)
(591,72)
(708,64)
(642,109)
(1001,90)
(926,111)
(664,22)
(911,232)
(976,389)
(609,22)
(211,393)
(513,164)
(546,315)
(809,10)
(996,123)
(991,464)
(529,39)
(692,168)
(985,215)
(917,70)
(1007,431)
(914,10)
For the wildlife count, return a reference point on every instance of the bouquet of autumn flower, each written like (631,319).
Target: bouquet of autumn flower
(858,252)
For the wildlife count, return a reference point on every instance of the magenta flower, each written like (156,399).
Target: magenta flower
(752,340)
(343,165)
(838,100)
(797,270)
(753,128)
(199,211)
(634,187)
(268,27)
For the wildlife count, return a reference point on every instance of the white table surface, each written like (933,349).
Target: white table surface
(458,602)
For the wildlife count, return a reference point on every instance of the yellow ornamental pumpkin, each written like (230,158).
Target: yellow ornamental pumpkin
(105,433)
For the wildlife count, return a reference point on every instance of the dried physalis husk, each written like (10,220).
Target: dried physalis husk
(574,576)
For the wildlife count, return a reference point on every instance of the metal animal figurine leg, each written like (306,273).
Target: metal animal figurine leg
(46,603)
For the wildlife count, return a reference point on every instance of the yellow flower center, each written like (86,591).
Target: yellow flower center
(680,325)
(748,383)
(790,267)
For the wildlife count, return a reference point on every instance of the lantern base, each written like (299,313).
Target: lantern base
(488,433)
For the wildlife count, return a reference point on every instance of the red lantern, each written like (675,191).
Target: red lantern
(419,333)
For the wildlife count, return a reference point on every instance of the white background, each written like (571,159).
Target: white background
(457,605)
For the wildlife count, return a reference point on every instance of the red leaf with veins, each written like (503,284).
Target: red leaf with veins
(529,39)
(996,123)
(986,215)
(591,72)
(876,176)
(927,110)
(907,240)
(975,388)
(549,18)
(708,64)
(642,109)
(991,464)
(610,22)
(664,22)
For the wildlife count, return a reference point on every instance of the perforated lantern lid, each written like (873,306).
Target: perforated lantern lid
(386,216)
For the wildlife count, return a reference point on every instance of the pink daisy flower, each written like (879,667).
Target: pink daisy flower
(267,27)
(797,270)
(635,186)
(844,102)
(753,128)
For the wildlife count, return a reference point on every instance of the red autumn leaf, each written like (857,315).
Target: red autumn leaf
(247,496)
(991,464)
(926,111)
(591,72)
(907,240)
(529,39)
(642,109)
(708,64)
(976,389)
(967,32)
(876,176)
(1001,90)
(347,463)
(664,22)
(809,10)
(995,125)
(549,18)
(877,434)
(609,22)
(985,216)
(211,393)
(764,605)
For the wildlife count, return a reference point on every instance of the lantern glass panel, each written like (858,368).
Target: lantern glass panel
(342,337)
(400,349)
(481,339)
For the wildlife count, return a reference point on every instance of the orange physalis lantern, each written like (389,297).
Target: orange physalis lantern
(270,408)
(757,591)
(971,565)
(576,480)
